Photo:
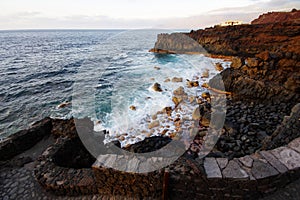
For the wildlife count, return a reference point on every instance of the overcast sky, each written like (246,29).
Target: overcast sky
(124,14)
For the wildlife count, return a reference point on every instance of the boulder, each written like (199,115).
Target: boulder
(167,110)
(219,67)
(191,84)
(153,124)
(177,100)
(196,114)
(176,79)
(132,108)
(157,87)
(179,91)
(205,74)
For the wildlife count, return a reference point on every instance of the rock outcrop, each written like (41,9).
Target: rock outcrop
(275,79)
(249,40)
(267,66)
(272,17)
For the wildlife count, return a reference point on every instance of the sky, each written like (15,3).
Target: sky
(132,14)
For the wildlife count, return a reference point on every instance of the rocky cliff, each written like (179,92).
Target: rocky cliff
(272,17)
(268,63)
(248,40)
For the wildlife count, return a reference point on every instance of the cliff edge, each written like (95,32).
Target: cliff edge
(271,17)
(267,63)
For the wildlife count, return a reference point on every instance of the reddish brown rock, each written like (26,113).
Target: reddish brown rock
(272,17)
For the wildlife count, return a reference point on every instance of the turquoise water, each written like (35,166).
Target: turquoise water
(102,72)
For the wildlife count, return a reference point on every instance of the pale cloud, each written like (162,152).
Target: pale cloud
(38,20)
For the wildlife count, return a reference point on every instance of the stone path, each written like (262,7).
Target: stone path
(19,183)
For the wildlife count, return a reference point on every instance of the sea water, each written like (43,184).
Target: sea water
(101,72)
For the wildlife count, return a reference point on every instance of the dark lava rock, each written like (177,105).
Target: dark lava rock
(73,154)
(149,144)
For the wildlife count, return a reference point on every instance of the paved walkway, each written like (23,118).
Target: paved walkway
(19,183)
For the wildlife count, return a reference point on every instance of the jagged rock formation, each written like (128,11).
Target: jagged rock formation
(268,67)
(272,17)
(249,40)
(176,43)
(263,79)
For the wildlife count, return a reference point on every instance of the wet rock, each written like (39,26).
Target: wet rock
(191,99)
(205,74)
(176,80)
(179,91)
(157,68)
(154,117)
(167,110)
(196,114)
(219,67)
(206,96)
(153,124)
(132,108)
(157,87)
(177,100)
(205,120)
(167,80)
(191,84)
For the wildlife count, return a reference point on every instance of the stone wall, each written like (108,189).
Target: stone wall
(24,139)
(248,177)
(62,180)
(127,184)
(286,132)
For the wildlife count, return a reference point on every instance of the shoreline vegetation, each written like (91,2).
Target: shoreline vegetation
(261,89)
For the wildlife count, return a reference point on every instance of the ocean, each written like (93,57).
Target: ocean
(101,72)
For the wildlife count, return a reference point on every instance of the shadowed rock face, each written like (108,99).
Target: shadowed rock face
(276,80)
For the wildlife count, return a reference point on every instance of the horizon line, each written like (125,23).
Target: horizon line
(90,29)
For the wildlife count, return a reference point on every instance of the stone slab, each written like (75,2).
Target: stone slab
(288,157)
(133,164)
(212,168)
(261,170)
(295,145)
(274,161)
(247,161)
(233,170)
(222,162)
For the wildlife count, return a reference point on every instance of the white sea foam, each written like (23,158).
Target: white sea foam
(133,124)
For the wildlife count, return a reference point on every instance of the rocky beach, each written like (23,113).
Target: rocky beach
(238,122)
